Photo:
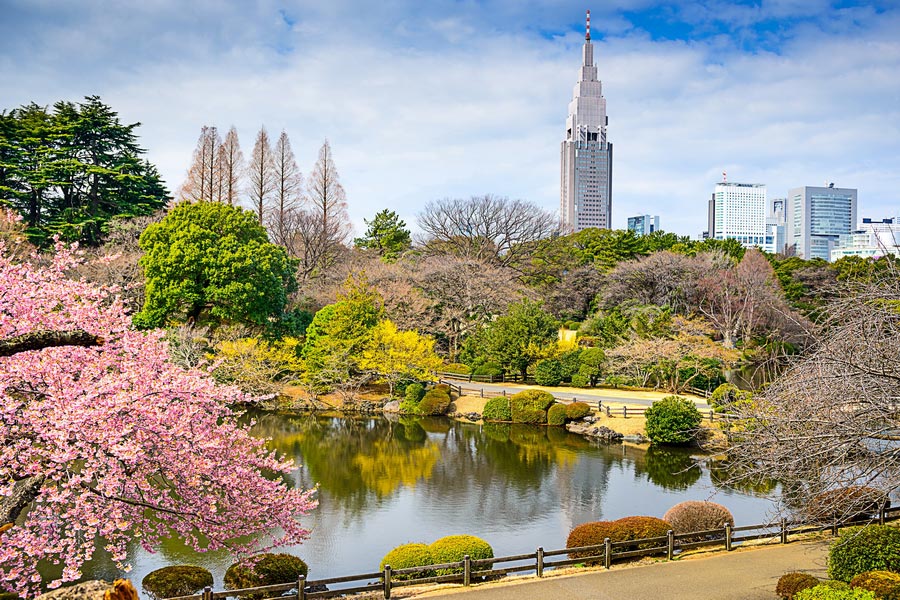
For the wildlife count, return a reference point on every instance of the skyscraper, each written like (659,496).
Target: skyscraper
(816,217)
(738,211)
(643,224)
(586,162)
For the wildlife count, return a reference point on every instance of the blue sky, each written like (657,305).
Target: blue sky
(426,100)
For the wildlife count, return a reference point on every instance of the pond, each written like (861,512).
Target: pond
(385,482)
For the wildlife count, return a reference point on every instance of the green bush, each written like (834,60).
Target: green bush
(530,406)
(823,591)
(266,569)
(530,416)
(577,410)
(569,363)
(885,584)
(694,515)
(672,420)
(548,372)
(580,381)
(180,580)
(488,369)
(434,402)
(454,548)
(556,416)
(414,393)
(497,409)
(407,556)
(857,550)
(791,583)
(457,369)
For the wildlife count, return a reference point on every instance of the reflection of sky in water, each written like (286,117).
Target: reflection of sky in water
(517,494)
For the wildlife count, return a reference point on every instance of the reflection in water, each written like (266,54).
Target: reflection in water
(388,481)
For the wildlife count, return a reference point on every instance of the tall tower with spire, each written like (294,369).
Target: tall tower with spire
(586,162)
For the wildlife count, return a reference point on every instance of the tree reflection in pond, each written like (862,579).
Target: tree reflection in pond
(671,468)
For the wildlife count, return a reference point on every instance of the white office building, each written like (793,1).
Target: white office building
(737,211)
(871,239)
(774,242)
(586,154)
(816,218)
(643,224)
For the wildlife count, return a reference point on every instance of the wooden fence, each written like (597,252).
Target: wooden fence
(469,570)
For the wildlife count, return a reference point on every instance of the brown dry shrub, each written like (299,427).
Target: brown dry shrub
(791,583)
(695,515)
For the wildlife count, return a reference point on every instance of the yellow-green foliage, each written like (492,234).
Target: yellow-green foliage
(407,556)
(826,591)
(396,355)
(497,409)
(556,416)
(454,548)
(255,365)
(457,368)
(791,583)
(577,410)
(265,569)
(857,550)
(180,580)
(884,584)
(530,406)
(435,402)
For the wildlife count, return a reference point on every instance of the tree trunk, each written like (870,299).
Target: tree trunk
(38,340)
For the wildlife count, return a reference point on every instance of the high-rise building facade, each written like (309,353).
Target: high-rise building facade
(586,162)
(643,224)
(737,211)
(775,227)
(816,217)
(871,239)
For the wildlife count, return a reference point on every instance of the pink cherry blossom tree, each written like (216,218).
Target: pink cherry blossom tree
(103,439)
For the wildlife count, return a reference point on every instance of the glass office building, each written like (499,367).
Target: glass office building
(816,217)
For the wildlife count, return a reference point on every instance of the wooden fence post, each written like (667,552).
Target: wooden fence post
(387,582)
(728,537)
(783,531)
(625,412)
(881,514)
(301,587)
(834,528)
(712,415)
(482,392)
(670,544)
(467,570)
(607,552)
(504,393)
(207,593)
(540,561)
(607,411)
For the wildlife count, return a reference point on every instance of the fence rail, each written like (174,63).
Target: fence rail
(469,570)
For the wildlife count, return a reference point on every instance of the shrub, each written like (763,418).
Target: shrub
(884,584)
(726,395)
(857,550)
(434,402)
(266,569)
(622,530)
(442,387)
(497,409)
(694,515)
(181,580)
(580,381)
(557,415)
(406,556)
(454,548)
(846,502)
(414,393)
(791,583)
(457,369)
(588,534)
(548,372)
(531,416)
(529,406)
(577,410)
(569,363)
(672,420)
(827,592)
(488,369)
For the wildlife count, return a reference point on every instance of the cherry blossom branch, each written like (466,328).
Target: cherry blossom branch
(38,340)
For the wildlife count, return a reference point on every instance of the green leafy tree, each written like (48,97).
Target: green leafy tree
(386,234)
(591,363)
(70,170)
(672,420)
(212,262)
(524,335)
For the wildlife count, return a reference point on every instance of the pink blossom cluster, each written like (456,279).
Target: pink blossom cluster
(130,446)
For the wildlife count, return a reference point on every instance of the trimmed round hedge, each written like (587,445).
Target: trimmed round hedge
(267,569)
(622,530)
(434,402)
(530,406)
(497,409)
(857,550)
(548,372)
(406,556)
(826,591)
(556,416)
(454,548)
(588,534)
(178,580)
(695,515)
(884,584)
(577,410)
(846,502)
(672,420)
(488,369)
(791,583)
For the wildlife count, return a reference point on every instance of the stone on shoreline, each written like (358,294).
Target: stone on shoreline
(594,431)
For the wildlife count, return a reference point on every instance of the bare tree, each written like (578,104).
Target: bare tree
(486,228)
(261,174)
(829,427)
(230,163)
(288,192)
(203,176)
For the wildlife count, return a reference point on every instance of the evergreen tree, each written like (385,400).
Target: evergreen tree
(386,234)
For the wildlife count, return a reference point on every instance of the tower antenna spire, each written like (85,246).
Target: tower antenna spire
(587,35)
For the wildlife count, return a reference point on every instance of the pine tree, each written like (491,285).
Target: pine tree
(261,174)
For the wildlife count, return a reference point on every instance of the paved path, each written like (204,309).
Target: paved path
(746,574)
(589,395)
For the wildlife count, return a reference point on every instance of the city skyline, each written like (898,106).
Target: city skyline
(788,94)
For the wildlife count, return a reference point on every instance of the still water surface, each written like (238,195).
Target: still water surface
(384,482)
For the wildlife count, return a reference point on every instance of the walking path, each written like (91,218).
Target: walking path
(590,395)
(744,574)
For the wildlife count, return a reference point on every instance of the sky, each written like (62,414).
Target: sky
(444,99)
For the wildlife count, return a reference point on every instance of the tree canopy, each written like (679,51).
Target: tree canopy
(211,261)
(69,170)
(386,234)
